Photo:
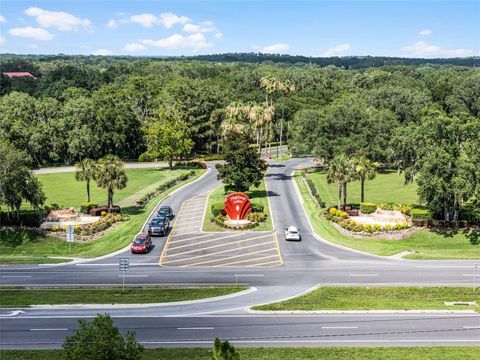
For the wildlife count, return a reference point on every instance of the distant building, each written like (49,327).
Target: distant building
(18,74)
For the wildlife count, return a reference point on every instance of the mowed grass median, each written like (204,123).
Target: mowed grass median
(23,297)
(425,244)
(33,247)
(258,195)
(284,353)
(378,298)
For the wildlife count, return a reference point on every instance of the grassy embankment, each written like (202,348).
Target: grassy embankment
(31,247)
(378,298)
(23,297)
(259,196)
(299,353)
(385,188)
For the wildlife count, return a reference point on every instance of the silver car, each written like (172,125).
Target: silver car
(291,233)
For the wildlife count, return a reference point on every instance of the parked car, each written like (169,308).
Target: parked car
(158,226)
(141,244)
(292,233)
(165,211)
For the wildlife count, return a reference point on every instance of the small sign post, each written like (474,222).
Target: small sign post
(476,270)
(124,265)
(70,237)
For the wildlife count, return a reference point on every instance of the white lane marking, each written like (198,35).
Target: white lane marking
(195,328)
(50,329)
(442,267)
(248,275)
(116,264)
(339,327)
(471,327)
(133,275)
(13,313)
(16,276)
(364,275)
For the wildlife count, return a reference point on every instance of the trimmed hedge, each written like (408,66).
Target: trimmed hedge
(257,208)
(368,207)
(423,214)
(314,191)
(87,206)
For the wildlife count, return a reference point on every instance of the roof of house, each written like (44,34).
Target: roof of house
(17,74)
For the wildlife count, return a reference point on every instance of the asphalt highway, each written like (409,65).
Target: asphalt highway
(304,265)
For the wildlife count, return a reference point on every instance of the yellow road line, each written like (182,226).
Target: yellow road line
(246,260)
(278,247)
(218,252)
(187,233)
(226,258)
(265,263)
(165,248)
(190,218)
(219,245)
(181,227)
(201,242)
(196,212)
(191,238)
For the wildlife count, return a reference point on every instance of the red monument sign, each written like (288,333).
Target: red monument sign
(237,206)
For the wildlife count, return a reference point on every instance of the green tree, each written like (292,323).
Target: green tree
(100,339)
(243,167)
(86,171)
(339,171)
(223,350)
(168,137)
(365,169)
(111,175)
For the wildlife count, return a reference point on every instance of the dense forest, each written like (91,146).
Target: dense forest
(422,117)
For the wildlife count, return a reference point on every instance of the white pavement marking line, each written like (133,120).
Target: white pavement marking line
(363,275)
(50,329)
(13,313)
(442,267)
(339,327)
(471,327)
(195,328)
(16,276)
(134,275)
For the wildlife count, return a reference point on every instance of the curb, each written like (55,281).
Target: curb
(359,312)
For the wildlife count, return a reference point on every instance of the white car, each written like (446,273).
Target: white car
(291,233)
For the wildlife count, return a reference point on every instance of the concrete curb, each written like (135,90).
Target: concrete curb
(140,306)
(359,312)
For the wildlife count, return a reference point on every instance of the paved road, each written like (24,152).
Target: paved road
(304,265)
(63,169)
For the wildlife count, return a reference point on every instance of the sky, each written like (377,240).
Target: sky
(312,28)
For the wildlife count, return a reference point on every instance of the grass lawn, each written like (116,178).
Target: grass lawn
(26,243)
(63,189)
(386,187)
(299,353)
(22,297)
(378,298)
(426,244)
(259,196)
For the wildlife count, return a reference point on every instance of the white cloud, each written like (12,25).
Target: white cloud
(275,48)
(337,50)
(425,49)
(425,32)
(101,52)
(134,47)
(112,24)
(204,27)
(58,19)
(2,40)
(218,35)
(169,19)
(30,32)
(146,20)
(177,41)
(2,19)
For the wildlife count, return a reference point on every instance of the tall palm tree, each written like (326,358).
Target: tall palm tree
(111,175)
(86,171)
(365,169)
(338,171)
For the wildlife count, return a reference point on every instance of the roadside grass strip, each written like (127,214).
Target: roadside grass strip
(22,297)
(379,298)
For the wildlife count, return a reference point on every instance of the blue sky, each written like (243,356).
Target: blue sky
(312,28)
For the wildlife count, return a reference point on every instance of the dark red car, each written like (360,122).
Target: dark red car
(142,244)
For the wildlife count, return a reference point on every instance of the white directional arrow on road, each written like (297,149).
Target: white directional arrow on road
(13,313)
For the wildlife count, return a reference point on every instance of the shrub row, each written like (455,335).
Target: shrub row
(314,191)
(211,157)
(162,187)
(423,214)
(220,221)
(87,206)
(190,164)
(353,226)
(368,207)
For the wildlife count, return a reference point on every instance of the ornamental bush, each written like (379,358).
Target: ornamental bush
(343,215)
(368,208)
(256,217)
(397,227)
(87,206)
(388,206)
(405,225)
(257,208)
(388,227)
(376,227)
(333,211)
(217,209)
(424,214)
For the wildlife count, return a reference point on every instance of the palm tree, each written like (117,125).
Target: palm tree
(86,171)
(338,171)
(365,169)
(111,175)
